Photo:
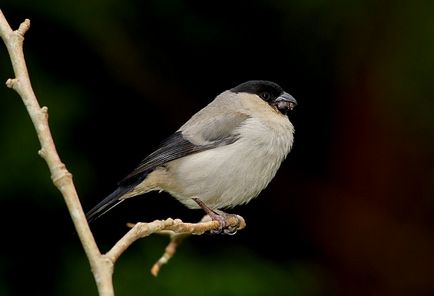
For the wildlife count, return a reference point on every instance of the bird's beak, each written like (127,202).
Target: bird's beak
(285,102)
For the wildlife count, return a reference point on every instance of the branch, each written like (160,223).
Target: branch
(177,238)
(175,241)
(62,179)
(102,265)
(175,226)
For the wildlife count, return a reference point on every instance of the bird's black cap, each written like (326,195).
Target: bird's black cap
(267,90)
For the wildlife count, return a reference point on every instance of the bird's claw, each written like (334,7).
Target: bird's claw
(221,217)
(224,228)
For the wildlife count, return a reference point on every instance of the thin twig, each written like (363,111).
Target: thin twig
(140,230)
(169,252)
(175,240)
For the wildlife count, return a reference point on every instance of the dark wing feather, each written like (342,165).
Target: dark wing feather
(218,131)
(214,132)
(176,146)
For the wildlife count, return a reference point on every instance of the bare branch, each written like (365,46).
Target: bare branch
(169,252)
(140,230)
(177,238)
(59,174)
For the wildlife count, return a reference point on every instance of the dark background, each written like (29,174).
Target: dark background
(349,213)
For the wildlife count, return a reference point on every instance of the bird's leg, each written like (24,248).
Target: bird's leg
(219,216)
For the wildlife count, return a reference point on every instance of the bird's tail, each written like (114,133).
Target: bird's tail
(107,203)
(115,197)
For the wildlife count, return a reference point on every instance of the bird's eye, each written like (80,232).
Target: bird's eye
(266,96)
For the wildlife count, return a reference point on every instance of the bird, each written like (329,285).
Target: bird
(222,157)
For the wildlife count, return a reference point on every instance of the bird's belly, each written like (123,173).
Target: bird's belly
(226,176)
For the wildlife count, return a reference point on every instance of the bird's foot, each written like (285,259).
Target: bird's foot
(221,217)
(224,228)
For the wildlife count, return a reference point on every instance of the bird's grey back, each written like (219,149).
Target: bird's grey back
(218,121)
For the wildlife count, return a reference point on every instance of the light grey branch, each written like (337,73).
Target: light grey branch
(62,179)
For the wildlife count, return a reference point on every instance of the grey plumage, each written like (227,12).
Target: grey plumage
(224,155)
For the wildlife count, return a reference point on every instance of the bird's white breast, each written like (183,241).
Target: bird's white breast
(234,174)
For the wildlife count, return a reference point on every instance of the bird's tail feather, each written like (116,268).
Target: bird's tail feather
(115,197)
(107,203)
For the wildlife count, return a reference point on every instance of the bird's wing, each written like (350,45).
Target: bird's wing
(200,133)
(215,132)
(174,147)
